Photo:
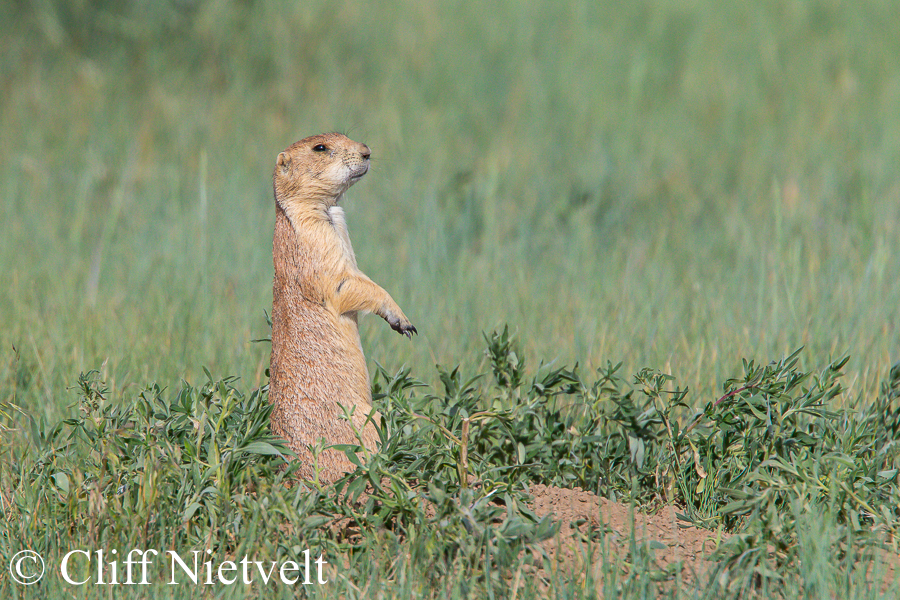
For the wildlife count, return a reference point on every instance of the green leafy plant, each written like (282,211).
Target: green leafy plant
(196,468)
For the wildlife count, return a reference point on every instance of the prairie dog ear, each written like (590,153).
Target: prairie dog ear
(284,162)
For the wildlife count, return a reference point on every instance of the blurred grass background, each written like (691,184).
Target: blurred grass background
(666,183)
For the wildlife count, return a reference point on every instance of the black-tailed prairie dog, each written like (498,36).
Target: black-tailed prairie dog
(317,360)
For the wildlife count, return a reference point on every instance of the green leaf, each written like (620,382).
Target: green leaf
(62,482)
(190,510)
(261,448)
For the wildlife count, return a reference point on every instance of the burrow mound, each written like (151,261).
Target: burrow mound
(595,529)
(591,526)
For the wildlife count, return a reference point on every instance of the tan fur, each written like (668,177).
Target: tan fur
(317,359)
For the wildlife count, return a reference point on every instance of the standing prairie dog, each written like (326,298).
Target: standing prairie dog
(317,360)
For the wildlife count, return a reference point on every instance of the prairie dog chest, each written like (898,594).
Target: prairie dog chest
(339,222)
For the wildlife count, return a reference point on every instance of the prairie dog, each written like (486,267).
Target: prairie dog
(317,360)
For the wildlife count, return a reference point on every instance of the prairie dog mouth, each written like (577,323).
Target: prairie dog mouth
(358,173)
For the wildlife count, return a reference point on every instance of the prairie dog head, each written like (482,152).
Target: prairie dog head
(319,169)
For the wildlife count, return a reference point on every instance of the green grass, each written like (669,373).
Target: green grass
(807,491)
(662,184)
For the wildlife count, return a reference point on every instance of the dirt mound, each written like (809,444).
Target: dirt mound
(595,531)
(588,523)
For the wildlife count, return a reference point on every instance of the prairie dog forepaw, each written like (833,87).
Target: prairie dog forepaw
(401,325)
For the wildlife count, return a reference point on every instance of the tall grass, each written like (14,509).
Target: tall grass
(807,490)
(661,183)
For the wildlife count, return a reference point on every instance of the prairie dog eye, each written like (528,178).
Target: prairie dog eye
(320,148)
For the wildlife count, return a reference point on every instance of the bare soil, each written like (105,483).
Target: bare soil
(595,529)
(592,527)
